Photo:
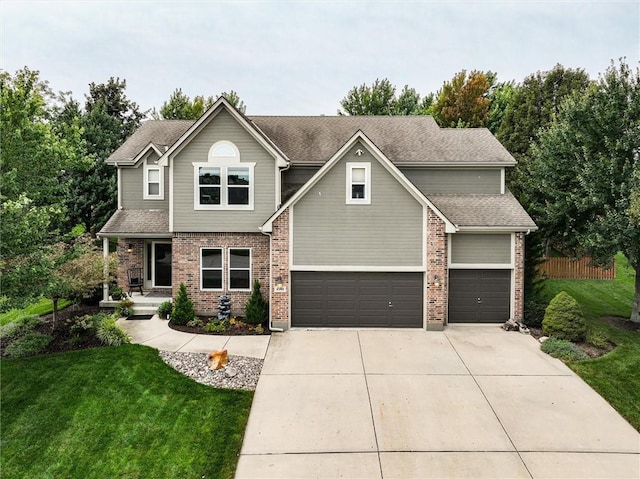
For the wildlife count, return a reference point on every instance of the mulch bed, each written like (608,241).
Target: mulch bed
(622,323)
(61,335)
(234,330)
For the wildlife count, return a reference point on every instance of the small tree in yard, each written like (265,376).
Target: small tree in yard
(183,311)
(257,308)
(563,319)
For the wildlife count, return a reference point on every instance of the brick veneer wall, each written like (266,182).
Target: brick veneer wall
(518,260)
(436,307)
(186,268)
(280,270)
(128,260)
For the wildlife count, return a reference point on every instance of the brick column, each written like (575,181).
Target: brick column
(518,262)
(280,271)
(436,307)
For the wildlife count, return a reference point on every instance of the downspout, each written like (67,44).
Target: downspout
(271,328)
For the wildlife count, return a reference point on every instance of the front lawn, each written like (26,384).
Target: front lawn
(42,307)
(615,375)
(115,412)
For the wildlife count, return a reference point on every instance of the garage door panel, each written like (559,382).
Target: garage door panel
(356,299)
(491,287)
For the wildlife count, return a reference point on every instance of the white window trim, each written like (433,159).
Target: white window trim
(229,269)
(224,162)
(367,183)
(202,288)
(160,195)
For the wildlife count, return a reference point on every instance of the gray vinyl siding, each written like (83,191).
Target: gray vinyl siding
(185,218)
(132,184)
(468,180)
(294,178)
(481,248)
(386,233)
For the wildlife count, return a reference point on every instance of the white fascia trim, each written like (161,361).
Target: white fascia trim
(384,161)
(360,268)
(481,266)
(207,116)
(496,229)
(453,165)
(144,152)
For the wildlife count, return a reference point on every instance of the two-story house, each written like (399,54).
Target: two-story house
(347,221)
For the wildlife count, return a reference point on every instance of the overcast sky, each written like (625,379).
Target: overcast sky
(301,58)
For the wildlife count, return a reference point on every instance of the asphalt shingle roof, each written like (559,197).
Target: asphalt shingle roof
(137,222)
(483,210)
(315,139)
(162,133)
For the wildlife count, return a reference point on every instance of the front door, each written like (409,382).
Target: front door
(161,264)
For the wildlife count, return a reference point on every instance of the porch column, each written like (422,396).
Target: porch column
(105,268)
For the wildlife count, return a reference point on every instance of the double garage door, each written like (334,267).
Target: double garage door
(479,295)
(356,299)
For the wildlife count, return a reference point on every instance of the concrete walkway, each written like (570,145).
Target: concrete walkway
(156,333)
(473,401)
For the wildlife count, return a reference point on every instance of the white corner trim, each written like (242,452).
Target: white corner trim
(502,181)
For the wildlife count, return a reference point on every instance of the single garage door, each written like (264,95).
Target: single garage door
(479,295)
(356,299)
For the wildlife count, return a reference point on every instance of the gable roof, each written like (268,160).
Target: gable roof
(472,211)
(405,140)
(359,136)
(312,140)
(157,133)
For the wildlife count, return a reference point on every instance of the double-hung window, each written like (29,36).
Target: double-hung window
(153,179)
(358,181)
(223,182)
(211,268)
(240,268)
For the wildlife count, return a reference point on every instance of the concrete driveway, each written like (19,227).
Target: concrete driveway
(473,401)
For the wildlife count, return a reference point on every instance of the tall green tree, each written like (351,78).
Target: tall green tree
(108,118)
(581,175)
(181,107)
(464,101)
(380,98)
(500,97)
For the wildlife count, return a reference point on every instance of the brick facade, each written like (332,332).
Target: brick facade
(127,259)
(518,260)
(280,265)
(186,268)
(436,303)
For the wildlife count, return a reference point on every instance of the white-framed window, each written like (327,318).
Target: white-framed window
(223,182)
(153,183)
(240,268)
(211,263)
(358,182)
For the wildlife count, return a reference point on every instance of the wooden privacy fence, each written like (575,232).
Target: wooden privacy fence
(569,268)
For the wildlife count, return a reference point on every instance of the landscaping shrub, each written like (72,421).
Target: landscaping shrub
(563,319)
(165,308)
(124,308)
(28,345)
(217,326)
(183,311)
(562,349)
(109,333)
(195,323)
(257,308)
(534,310)
(19,327)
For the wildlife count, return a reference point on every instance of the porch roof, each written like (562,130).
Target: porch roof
(138,224)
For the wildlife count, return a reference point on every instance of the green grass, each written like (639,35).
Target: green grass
(615,375)
(115,412)
(44,306)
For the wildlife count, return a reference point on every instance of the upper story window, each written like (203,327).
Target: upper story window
(224,182)
(153,182)
(358,182)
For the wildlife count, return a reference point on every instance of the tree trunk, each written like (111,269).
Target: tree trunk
(55,312)
(635,309)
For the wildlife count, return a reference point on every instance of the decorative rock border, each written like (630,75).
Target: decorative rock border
(240,373)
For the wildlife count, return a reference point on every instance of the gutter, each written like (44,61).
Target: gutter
(271,327)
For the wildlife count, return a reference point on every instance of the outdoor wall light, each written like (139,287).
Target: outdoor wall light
(436,281)
(279,282)
(130,248)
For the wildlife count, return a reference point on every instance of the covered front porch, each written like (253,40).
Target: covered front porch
(146,303)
